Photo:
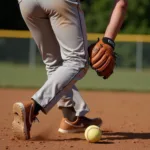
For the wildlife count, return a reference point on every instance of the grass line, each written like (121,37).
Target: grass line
(21,76)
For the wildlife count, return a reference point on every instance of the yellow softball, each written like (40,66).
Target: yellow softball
(93,134)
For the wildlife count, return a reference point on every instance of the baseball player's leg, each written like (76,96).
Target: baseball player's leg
(72,99)
(38,23)
(78,103)
(69,27)
(80,106)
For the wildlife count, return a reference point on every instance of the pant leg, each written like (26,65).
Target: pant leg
(74,99)
(38,23)
(73,23)
(55,87)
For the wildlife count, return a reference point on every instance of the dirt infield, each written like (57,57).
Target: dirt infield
(126,124)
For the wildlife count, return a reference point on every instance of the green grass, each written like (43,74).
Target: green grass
(121,80)
(21,76)
(13,75)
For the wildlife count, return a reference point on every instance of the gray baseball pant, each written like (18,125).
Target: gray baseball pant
(59,31)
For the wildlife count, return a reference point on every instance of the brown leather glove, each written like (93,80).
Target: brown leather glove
(102,57)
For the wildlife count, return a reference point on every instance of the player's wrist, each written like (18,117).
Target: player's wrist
(109,41)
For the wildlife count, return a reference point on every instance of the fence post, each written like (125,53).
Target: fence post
(139,56)
(32,53)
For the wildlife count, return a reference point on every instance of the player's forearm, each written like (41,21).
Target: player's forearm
(116,19)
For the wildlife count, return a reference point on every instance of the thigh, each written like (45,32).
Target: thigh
(68,23)
(38,23)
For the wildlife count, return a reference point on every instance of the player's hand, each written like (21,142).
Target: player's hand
(102,57)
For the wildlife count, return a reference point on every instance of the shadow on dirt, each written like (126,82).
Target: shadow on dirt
(125,135)
(40,138)
(104,142)
(109,137)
